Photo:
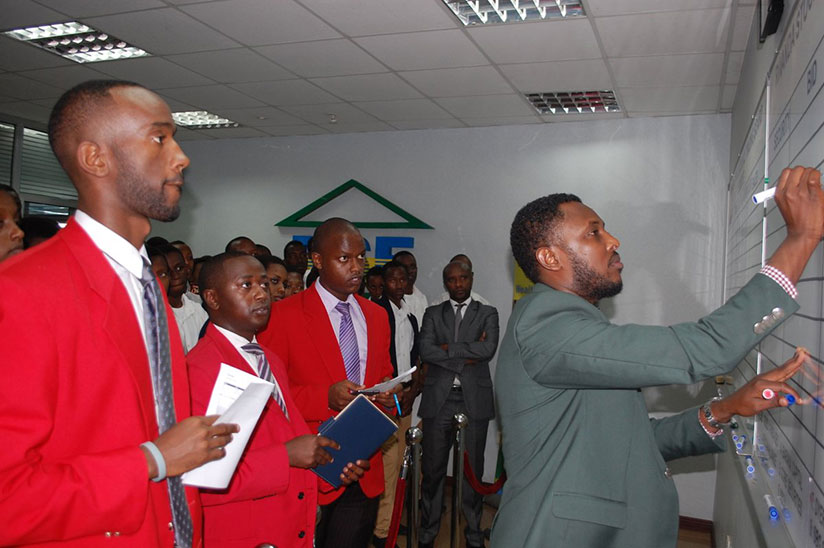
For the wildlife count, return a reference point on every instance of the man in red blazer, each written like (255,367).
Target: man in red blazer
(313,337)
(78,419)
(272,497)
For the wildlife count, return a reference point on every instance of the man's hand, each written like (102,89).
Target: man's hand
(191,443)
(341,393)
(354,472)
(445,347)
(748,400)
(308,451)
(407,398)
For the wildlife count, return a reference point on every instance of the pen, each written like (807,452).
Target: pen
(397,404)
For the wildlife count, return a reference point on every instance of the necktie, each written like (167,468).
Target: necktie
(458,318)
(160,362)
(348,340)
(265,373)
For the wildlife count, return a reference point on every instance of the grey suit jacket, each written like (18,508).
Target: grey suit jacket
(585,465)
(438,328)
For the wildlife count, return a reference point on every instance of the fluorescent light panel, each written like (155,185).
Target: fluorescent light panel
(77,42)
(574,102)
(488,12)
(201,119)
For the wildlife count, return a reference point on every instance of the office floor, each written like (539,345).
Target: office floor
(686,538)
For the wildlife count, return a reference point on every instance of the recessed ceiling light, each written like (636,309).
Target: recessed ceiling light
(574,102)
(77,42)
(200,119)
(487,12)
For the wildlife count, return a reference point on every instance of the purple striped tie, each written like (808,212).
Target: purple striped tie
(265,373)
(348,340)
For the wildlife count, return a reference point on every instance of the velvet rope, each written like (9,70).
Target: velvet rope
(480,488)
(395,524)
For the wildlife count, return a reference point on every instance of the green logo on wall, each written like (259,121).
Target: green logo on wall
(411,221)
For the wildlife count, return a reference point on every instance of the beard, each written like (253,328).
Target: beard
(590,285)
(139,195)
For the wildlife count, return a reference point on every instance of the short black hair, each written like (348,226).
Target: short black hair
(238,239)
(376,270)
(213,267)
(155,251)
(14,196)
(157,241)
(37,228)
(267,252)
(535,226)
(463,265)
(269,260)
(169,248)
(391,265)
(75,107)
(402,253)
(293,268)
(293,243)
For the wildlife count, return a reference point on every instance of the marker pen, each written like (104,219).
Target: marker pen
(767,394)
(771,508)
(763,196)
(397,404)
(750,466)
(790,399)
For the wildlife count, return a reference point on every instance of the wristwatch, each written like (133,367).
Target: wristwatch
(707,410)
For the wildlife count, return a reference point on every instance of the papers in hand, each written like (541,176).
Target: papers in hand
(388,385)
(238,398)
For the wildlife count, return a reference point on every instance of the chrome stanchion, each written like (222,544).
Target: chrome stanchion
(414,436)
(460,421)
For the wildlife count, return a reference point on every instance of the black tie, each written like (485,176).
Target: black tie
(458,318)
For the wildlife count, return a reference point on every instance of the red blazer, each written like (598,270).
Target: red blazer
(76,401)
(267,501)
(299,331)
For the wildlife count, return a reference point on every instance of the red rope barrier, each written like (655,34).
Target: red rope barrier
(480,488)
(394,525)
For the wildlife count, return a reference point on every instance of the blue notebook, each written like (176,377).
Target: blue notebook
(360,429)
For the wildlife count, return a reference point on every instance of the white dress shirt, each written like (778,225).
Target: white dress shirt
(417,303)
(358,320)
(190,319)
(456,381)
(237,341)
(443,297)
(404,337)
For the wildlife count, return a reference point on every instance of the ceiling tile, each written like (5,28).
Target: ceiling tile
(286,92)
(27,111)
(540,41)
(487,106)
(323,58)
(361,127)
(162,31)
(369,87)
(319,114)
(287,131)
(458,81)
(673,100)
(383,16)
(212,97)
(177,106)
(65,77)
(741,29)
(260,22)
(693,31)
(586,74)
(424,50)
(501,121)
(91,8)
(184,134)
(734,64)
(428,124)
(728,97)
(600,8)
(669,70)
(16,55)
(17,86)
(406,109)
(232,65)
(259,117)
(152,72)
(582,117)
(25,13)
(232,132)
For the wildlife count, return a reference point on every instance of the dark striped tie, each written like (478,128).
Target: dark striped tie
(348,340)
(265,373)
(160,362)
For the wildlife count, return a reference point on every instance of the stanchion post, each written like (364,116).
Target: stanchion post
(460,421)
(414,436)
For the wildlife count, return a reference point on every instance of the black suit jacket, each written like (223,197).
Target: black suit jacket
(413,358)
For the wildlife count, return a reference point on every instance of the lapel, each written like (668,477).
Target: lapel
(448,316)
(468,318)
(110,301)
(322,334)
(228,352)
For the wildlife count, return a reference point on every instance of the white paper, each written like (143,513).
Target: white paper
(238,398)
(388,385)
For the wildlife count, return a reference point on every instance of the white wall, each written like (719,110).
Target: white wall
(659,183)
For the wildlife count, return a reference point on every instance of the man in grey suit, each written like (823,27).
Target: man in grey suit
(585,465)
(457,340)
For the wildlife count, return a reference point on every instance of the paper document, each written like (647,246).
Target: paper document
(238,398)
(388,385)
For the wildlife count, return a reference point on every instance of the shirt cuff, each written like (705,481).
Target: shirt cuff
(781,279)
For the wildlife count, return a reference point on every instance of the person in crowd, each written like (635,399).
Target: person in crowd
(276,271)
(242,244)
(272,497)
(458,339)
(160,267)
(37,230)
(198,265)
(403,352)
(311,277)
(261,251)
(96,423)
(374,282)
(189,259)
(334,343)
(294,281)
(11,235)
(443,297)
(157,241)
(295,257)
(189,315)
(415,298)
(568,381)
